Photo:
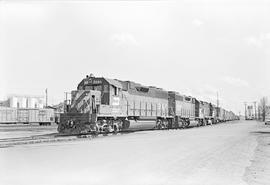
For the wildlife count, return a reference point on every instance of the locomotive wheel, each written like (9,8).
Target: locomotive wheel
(204,122)
(107,130)
(158,124)
(187,123)
(163,126)
(176,126)
(184,124)
(180,124)
(61,128)
(115,129)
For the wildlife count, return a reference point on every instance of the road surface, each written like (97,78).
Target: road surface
(213,155)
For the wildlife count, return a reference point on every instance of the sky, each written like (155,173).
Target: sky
(197,48)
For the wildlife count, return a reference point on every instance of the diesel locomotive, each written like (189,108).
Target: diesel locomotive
(102,105)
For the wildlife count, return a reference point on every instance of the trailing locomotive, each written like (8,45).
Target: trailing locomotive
(108,105)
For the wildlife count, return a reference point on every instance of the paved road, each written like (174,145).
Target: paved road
(211,155)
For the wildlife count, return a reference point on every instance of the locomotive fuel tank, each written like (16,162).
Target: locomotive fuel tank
(133,125)
(194,123)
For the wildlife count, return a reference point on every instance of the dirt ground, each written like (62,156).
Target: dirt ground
(21,130)
(232,153)
(258,173)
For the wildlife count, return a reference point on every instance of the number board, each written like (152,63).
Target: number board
(92,81)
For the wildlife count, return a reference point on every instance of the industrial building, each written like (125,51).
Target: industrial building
(24,101)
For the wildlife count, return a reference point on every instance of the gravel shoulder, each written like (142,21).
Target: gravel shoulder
(258,173)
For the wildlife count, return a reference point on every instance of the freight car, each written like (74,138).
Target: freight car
(107,105)
(8,115)
(26,116)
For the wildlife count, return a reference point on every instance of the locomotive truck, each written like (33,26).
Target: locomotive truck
(108,105)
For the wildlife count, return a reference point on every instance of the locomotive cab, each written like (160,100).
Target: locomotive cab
(94,100)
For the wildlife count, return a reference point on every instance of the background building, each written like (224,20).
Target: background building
(250,112)
(25,101)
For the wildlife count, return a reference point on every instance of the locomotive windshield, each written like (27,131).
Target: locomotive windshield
(107,87)
(93,87)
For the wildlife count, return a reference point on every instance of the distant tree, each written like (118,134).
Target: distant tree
(259,113)
(263,107)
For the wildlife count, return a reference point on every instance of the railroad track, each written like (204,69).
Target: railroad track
(8,142)
(56,137)
(49,138)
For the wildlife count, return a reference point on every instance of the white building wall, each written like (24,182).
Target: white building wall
(13,102)
(40,103)
(23,102)
(26,102)
(31,102)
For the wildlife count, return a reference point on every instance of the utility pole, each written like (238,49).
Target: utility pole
(66,93)
(255,110)
(46,92)
(217,106)
(245,110)
(259,113)
(66,102)
(217,100)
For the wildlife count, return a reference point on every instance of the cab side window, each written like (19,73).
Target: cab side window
(115,91)
(106,88)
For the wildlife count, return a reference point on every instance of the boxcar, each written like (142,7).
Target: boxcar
(26,116)
(41,116)
(8,115)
